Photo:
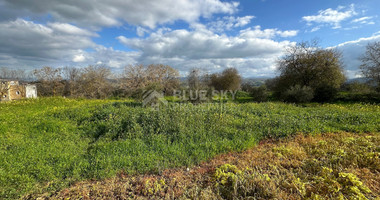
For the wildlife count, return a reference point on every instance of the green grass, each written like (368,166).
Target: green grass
(49,143)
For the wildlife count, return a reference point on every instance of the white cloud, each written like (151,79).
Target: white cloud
(242,21)
(113,58)
(251,53)
(351,52)
(25,44)
(364,20)
(141,31)
(100,13)
(291,33)
(201,45)
(266,33)
(79,58)
(71,29)
(331,16)
(315,29)
(228,22)
(30,40)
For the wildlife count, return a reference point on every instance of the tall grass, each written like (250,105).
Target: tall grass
(49,143)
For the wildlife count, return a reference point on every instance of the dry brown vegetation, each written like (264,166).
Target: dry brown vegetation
(328,166)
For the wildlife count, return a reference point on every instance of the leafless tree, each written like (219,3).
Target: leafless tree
(49,81)
(94,82)
(72,77)
(164,77)
(14,74)
(134,76)
(154,76)
(371,62)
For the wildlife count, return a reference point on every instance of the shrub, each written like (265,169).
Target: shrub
(337,185)
(298,94)
(325,93)
(233,183)
(259,94)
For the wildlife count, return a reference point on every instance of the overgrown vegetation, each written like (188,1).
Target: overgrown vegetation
(49,143)
(326,166)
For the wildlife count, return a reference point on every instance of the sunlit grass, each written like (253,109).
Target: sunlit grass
(48,143)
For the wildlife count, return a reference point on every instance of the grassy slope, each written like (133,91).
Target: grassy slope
(49,143)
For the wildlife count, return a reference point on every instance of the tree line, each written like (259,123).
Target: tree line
(306,73)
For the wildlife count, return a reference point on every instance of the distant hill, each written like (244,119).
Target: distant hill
(255,81)
(359,80)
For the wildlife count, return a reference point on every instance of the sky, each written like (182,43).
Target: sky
(250,35)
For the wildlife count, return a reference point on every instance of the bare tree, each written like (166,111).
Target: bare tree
(163,77)
(94,82)
(14,74)
(49,81)
(72,77)
(134,76)
(371,62)
(155,76)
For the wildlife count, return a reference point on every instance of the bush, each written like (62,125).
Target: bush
(325,93)
(232,183)
(298,94)
(259,94)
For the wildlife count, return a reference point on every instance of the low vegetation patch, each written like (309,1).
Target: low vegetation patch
(51,143)
(326,166)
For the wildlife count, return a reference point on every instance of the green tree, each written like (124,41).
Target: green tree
(229,79)
(306,64)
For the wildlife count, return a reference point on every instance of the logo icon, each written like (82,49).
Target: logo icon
(153,99)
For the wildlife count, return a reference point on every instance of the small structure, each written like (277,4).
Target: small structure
(13,90)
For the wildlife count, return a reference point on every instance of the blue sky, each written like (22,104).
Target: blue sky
(210,34)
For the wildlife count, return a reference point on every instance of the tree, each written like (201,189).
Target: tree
(229,79)
(72,77)
(14,74)
(259,94)
(153,77)
(194,79)
(163,77)
(134,76)
(370,66)
(94,82)
(49,81)
(197,79)
(308,65)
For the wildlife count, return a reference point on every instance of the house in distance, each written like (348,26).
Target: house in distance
(13,90)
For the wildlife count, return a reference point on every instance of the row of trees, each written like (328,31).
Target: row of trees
(100,82)
(306,73)
(18,74)
(310,73)
(229,79)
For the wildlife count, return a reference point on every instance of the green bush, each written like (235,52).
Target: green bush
(259,94)
(325,94)
(298,94)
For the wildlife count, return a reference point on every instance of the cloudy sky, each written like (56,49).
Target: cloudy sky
(210,34)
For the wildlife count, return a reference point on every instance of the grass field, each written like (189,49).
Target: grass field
(323,166)
(50,143)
